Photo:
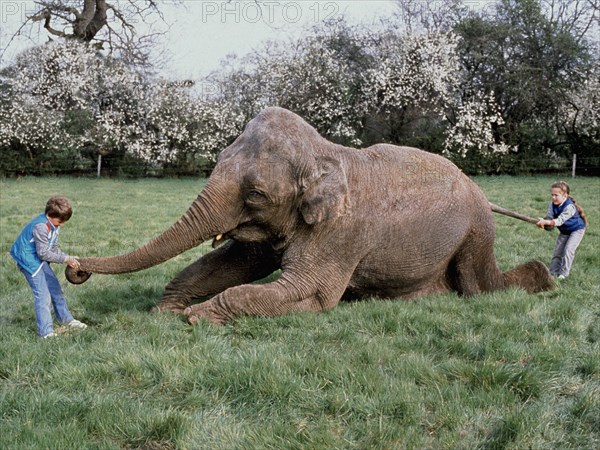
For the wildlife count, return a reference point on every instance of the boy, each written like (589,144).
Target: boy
(34,248)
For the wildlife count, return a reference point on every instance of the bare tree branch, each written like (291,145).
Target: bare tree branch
(115,24)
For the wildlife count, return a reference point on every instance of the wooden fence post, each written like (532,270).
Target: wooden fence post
(574,165)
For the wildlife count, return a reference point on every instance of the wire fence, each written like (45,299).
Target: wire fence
(575,166)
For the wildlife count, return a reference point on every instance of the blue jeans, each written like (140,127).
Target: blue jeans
(46,291)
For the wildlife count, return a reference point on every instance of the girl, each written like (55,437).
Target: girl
(565,214)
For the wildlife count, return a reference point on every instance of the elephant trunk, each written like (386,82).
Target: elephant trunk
(202,221)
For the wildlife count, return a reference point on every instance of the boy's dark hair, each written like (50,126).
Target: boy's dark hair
(59,207)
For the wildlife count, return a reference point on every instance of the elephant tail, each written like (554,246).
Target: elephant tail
(533,276)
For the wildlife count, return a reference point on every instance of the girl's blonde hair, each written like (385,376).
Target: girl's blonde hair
(564,187)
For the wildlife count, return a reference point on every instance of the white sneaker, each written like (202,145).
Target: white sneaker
(49,335)
(77,324)
(561,277)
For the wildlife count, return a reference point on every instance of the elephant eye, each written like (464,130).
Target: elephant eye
(255,196)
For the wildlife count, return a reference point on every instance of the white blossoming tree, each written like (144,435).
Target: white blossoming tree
(359,87)
(318,77)
(414,71)
(474,128)
(59,99)
(452,92)
(419,78)
(92,101)
(185,130)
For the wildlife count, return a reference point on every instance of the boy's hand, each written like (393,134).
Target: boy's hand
(73,262)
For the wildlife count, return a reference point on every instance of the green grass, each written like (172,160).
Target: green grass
(504,370)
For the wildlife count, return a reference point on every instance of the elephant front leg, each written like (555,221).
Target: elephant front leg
(232,264)
(286,295)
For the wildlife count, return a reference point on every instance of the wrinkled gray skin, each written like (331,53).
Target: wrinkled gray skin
(339,222)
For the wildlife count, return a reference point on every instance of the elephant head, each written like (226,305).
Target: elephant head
(273,179)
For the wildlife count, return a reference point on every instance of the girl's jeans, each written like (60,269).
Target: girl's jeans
(46,290)
(564,252)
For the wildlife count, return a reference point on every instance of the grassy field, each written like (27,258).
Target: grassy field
(504,370)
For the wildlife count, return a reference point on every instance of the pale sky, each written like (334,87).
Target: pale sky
(220,28)
(203,32)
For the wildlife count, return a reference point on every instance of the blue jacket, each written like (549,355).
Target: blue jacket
(574,223)
(24,250)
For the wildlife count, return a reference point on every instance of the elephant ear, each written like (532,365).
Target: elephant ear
(326,197)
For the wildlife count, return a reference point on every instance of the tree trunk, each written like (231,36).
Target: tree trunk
(91,20)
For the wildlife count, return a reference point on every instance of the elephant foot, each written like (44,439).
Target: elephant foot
(533,276)
(175,305)
(191,318)
(167,308)
(203,311)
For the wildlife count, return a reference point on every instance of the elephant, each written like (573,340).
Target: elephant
(338,222)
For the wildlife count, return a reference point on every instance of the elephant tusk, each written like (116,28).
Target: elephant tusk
(217,240)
